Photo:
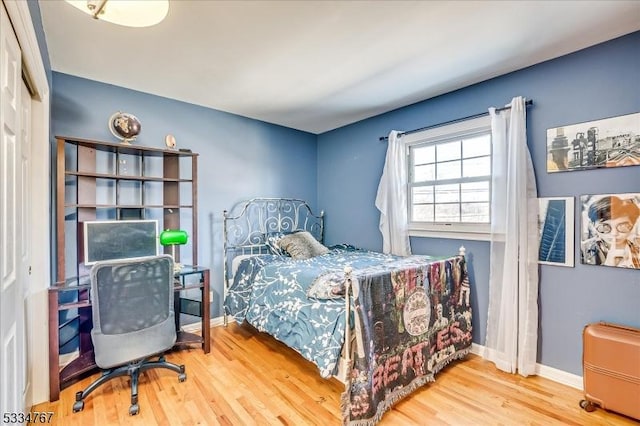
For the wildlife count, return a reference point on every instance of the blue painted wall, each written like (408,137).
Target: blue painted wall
(239,157)
(598,82)
(36,18)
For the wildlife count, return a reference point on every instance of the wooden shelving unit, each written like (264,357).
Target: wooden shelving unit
(104,181)
(77,188)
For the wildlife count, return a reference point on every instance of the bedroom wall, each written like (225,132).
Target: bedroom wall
(598,82)
(36,19)
(239,158)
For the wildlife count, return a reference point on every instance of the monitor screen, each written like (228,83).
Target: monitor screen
(119,239)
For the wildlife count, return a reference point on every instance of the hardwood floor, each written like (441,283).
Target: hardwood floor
(250,378)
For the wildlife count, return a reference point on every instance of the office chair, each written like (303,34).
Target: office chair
(133,320)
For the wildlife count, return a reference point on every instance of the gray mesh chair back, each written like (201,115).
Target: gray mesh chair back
(132,304)
(133,319)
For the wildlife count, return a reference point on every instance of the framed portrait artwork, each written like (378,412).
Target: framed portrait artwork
(610,230)
(555,231)
(610,142)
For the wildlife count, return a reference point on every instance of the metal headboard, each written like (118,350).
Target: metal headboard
(247,223)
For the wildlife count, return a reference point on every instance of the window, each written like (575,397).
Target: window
(449,188)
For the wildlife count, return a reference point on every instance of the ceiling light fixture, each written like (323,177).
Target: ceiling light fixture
(130,13)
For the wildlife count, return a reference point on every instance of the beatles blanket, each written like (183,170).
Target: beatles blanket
(411,321)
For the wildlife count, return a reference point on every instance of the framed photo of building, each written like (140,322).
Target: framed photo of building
(555,231)
(610,230)
(610,142)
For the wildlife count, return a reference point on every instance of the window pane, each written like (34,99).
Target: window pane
(475,212)
(450,178)
(447,212)
(448,151)
(476,147)
(422,213)
(480,166)
(422,194)
(447,193)
(424,154)
(449,170)
(424,173)
(474,191)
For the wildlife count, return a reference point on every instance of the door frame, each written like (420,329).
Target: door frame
(40,215)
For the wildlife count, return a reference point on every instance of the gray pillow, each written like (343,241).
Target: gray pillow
(302,245)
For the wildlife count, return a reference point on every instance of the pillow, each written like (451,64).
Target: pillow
(271,239)
(329,285)
(302,245)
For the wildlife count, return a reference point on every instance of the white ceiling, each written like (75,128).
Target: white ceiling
(319,65)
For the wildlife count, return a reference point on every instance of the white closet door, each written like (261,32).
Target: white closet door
(24,225)
(12,351)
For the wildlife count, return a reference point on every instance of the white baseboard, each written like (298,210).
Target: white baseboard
(477,350)
(65,359)
(559,376)
(197,326)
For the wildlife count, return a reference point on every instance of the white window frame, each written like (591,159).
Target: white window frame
(454,230)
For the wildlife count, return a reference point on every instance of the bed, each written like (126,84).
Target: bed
(383,324)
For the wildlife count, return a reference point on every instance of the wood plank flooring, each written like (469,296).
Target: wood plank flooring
(251,379)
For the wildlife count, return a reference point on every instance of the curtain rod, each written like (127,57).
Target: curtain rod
(482,114)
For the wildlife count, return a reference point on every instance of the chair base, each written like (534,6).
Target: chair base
(132,369)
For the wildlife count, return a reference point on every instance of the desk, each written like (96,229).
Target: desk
(188,278)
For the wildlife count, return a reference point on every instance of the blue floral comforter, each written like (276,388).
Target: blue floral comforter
(290,300)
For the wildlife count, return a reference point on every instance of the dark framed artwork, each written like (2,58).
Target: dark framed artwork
(555,231)
(610,142)
(610,230)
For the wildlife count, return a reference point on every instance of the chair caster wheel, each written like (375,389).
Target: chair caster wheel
(182,377)
(134,409)
(78,406)
(587,406)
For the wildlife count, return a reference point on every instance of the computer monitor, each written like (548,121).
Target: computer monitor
(119,239)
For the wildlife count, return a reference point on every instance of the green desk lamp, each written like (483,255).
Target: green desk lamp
(174,237)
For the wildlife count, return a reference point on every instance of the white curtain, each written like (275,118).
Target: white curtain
(512,320)
(391,199)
